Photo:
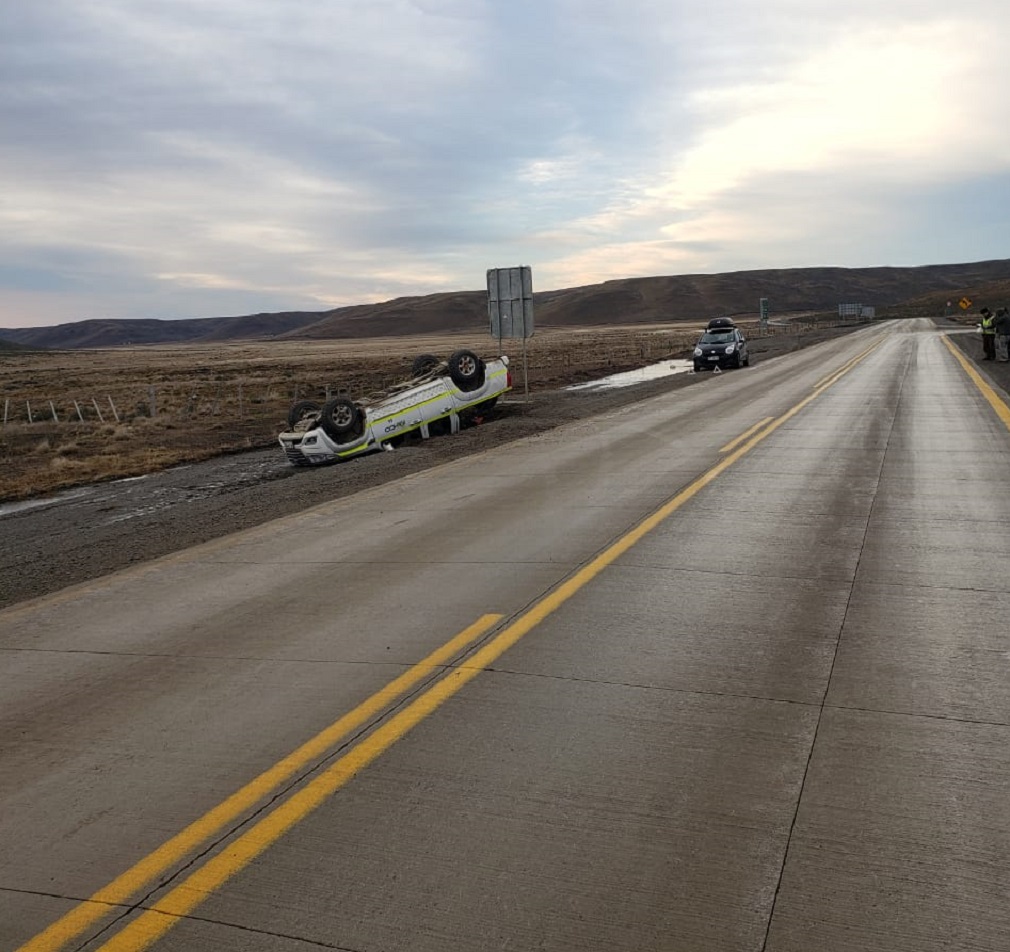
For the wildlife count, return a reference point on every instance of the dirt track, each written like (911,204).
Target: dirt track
(52,543)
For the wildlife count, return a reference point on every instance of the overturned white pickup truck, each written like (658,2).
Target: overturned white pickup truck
(432,401)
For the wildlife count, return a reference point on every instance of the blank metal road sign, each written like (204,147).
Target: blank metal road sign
(510,302)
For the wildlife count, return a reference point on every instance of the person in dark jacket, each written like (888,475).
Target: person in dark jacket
(1002,327)
(988,334)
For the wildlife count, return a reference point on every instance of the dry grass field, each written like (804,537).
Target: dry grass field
(106,414)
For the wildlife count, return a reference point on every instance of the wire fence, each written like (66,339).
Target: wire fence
(180,402)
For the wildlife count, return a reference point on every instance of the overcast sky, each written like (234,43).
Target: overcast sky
(198,158)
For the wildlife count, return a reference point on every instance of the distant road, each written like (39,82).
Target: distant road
(723,670)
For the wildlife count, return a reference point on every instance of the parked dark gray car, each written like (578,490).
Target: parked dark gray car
(722,346)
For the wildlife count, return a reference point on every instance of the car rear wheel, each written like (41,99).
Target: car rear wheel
(466,370)
(300,410)
(340,419)
(423,364)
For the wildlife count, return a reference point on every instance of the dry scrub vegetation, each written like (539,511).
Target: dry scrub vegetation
(133,410)
(129,411)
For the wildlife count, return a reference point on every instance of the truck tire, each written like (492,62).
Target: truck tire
(466,370)
(340,419)
(423,363)
(300,410)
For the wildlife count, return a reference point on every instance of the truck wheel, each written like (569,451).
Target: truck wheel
(300,410)
(340,418)
(466,370)
(423,364)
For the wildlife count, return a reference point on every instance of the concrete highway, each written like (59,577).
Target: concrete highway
(728,669)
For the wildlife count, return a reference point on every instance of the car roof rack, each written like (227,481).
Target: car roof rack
(718,323)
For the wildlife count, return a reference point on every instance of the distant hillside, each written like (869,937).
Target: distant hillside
(692,297)
(993,293)
(8,347)
(116,333)
(673,298)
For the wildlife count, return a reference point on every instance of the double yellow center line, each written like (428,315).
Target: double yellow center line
(202,831)
(166,911)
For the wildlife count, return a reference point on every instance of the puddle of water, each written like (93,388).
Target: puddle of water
(631,377)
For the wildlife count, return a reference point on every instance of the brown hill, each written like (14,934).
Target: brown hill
(109,332)
(893,291)
(689,297)
(991,293)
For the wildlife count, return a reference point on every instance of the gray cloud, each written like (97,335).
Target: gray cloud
(199,156)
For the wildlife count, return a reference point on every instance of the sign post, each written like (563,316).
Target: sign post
(510,308)
(763,312)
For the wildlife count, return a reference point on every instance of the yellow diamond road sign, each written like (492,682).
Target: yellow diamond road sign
(964,303)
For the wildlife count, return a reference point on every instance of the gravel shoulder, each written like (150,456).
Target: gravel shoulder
(86,533)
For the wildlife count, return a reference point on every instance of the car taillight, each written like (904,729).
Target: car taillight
(508,379)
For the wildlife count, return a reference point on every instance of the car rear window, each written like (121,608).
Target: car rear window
(717,337)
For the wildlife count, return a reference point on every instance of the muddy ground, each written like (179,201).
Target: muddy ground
(52,542)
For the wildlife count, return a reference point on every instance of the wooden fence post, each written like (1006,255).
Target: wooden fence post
(28,404)
(101,419)
(80,415)
(56,419)
(114,411)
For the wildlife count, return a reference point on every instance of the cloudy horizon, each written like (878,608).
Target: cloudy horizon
(199,158)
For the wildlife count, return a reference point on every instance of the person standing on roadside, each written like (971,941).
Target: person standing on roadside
(1001,325)
(988,334)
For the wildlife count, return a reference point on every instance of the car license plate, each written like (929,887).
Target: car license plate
(713,358)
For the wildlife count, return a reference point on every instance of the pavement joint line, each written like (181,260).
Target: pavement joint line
(199,657)
(993,398)
(724,572)
(155,921)
(117,893)
(922,715)
(43,894)
(654,687)
(834,659)
(937,588)
(237,926)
